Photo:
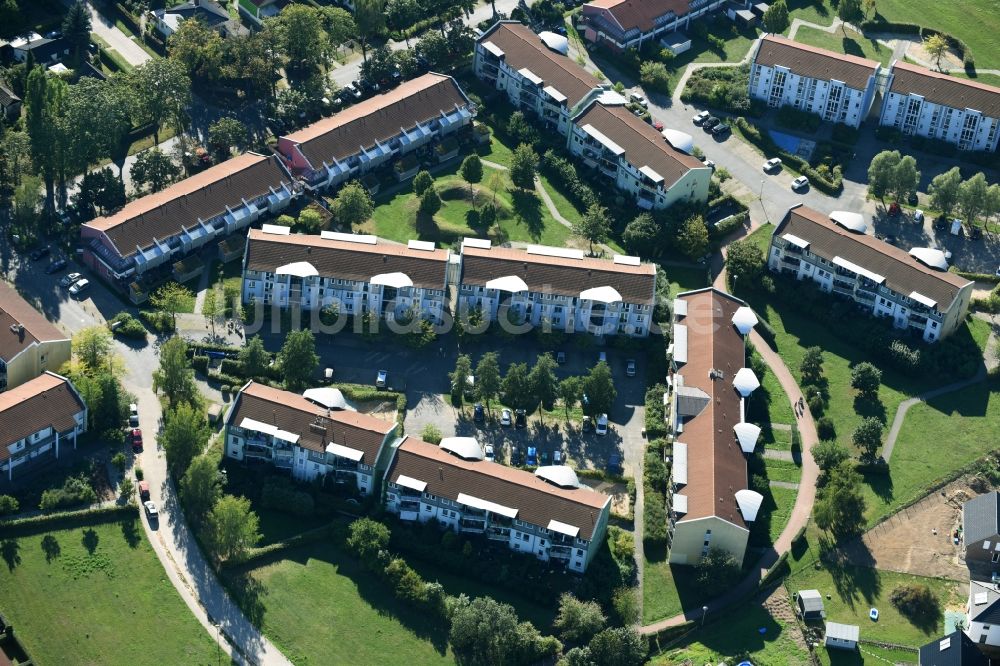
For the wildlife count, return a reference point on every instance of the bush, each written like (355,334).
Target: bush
(654,75)
(824,178)
(160,322)
(75,490)
(723,88)
(798,119)
(8,505)
(128,326)
(655,425)
(280,495)
(431,434)
(826,429)
(232,367)
(563,174)
(200,364)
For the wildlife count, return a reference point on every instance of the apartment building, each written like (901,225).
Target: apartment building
(710,504)
(557,287)
(29,343)
(913,288)
(146,236)
(410,119)
(599,130)
(356,273)
(311,435)
(37,419)
(548,514)
(837,87)
(938,106)
(625,24)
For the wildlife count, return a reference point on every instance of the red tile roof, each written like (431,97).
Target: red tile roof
(815,63)
(47,401)
(641,14)
(945,90)
(15,311)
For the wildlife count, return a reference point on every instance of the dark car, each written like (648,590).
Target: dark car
(478,413)
(975,233)
(520,418)
(721,130)
(39,253)
(515,457)
(56,266)
(532,457)
(615,464)
(709,123)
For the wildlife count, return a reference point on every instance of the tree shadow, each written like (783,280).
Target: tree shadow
(870,406)
(528,211)
(880,483)
(856,584)
(130,531)
(90,540)
(51,548)
(851,47)
(249,593)
(10,551)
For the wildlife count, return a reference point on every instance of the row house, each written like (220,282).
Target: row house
(598,129)
(355,273)
(548,514)
(625,24)
(150,233)
(29,344)
(37,419)
(914,289)
(557,287)
(938,106)
(709,501)
(310,435)
(415,115)
(838,88)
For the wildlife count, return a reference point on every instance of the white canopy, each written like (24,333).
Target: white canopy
(930,257)
(604,294)
(681,141)
(563,528)
(749,502)
(463,447)
(923,300)
(411,483)
(397,280)
(560,475)
(267,428)
(555,41)
(746,382)
(680,463)
(680,307)
(276,229)
(345,452)
(486,505)
(744,320)
(510,283)
(860,270)
(297,269)
(679,504)
(851,221)
(330,398)
(747,434)
(680,343)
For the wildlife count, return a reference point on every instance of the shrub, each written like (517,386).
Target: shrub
(825,428)
(128,326)
(431,434)
(655,425)
(8,505)
(75,490)
(161,322)
(200,364)
(280,495)
(654,75)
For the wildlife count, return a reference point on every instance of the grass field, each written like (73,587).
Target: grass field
(976,22)
(97,595)
(851,43)
(663,595)
(685,279)
(812,11)
(988,79)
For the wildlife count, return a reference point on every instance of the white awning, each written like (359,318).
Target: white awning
(560,475)
(555,41)
(330,398)
(345,452)
(680,307)
(747,434)
(276,229)
(411,483)
(796,241)
(679,503)
(486,505)
(554,94)
(563,528)
(680,343)
(930,257)
(650,173)
(528,74)
(854,268)
(744,320)
(422,246)
(602,139)
(749,502)
(494,49)
(680,463)
(604,294)
(549,251)
(297,269)
(851,221)
(363,239)
(681,141)
(511,283)
(463,447)
(397,280)
(746,382)
(268,429)
(481,243)
(626,260)
(923,300)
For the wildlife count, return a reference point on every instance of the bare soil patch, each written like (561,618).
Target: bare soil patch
(949,60)
(617,491)
(382,409)
(780,608)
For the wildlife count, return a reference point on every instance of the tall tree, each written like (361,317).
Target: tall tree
(170,299)
(811,367)
(516,387)
(162,94)
(76,29)
(199,49)
(370,19)
(640,235)
(868,437)
(472,173)
(298,359)
(593,226)
(185,434)
(92,346)
(905,178)
(200,487)
(618,646)
(577,620)
(840,507)
(174,377)
(776,17)
(232,527)
(96,119)
(880,172)
(460,377)
(866,379)
(302,37)
(849,11)
(353,205)
(488,377)
(522,167)
(45,101)
(599,389)
(253,357)
(153,170)
(339,25)
(972,196)
(227,133)
(744,263)
(692,240)
(936,47)
(944,190)
(570,391)
(485,632)
(544,385)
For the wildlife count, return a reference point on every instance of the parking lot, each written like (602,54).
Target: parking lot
(978,255)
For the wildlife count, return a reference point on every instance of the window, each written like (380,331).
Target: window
(428,509)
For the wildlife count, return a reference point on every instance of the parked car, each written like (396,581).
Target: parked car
(637,98)
(560,357)
(657,125)
(630,368)
(520,419)
(69,280)
(133,415)
(532,458)
(151,511)
(918,215)
(701,117)
(720,130)
(478,413)
(55,266)
(136,437)
(602,425)
(505,417)
(709,123)
(800,183)
(615,464)
(587,424)
(382,379)
(710,164)
(772,164)
(40,252)
(488,453)
(79,287)
(143,490)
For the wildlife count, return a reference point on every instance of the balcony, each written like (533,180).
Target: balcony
(498,533)
(467,525)
(918,321)
(345,465)
(560,552)
(865,296)
(792,262)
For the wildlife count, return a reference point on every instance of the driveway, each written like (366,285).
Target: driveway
(116,39)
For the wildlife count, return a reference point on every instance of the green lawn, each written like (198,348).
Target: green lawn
(812,11)
(782,470)
(735,634)
(777,439)
(97,595)
(855,590)
(666,596)
(784,502)
(988,79)
(685,279)
(851,43)
(976,22)
(320,606)
(497,152)
(779,407)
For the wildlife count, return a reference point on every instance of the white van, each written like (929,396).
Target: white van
(956,227)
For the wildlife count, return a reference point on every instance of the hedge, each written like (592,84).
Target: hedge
(890,26)
(779,570)
(65,519)
(977,277)
(655,424)
(754,135)
(312,536)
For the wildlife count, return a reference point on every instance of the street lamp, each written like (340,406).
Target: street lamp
(704,612)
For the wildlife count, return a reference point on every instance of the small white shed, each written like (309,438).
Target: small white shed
(842,636)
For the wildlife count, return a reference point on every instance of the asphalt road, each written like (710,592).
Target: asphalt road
(116,39)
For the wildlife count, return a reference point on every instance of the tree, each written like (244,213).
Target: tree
(298,359)
(76,29)
(869,7)
(570,392)
(8,505)
(485,632)
(126,489)
(776,18)
(211,308)
(118,462)
(27,204)
(692,240)
(401,14)
(593,226)
(100,191)
(488,377)
(353,205)
(599,390)
(183,437)
(422,181)
(840,506)
(866,379)
(430,202)
(716,571)
(522,167)
(618,646)
(868,437)
(44,103)
(170,299)
(232,527)
(811,367)
(944,190)
(826,429)
(431,434)
(301,37)
(199,49)
(972,197)
(849,11)
(460,377)
(174,377)
(200,487)
(936,46)
(310,222)
(227,133)
(905,178)
(578,621)
(92,345)
(162,94)
(521,130)
(434,48)
(472,172)
(828,454)
(641,234)
(253,357)
(917,602)
(370,19)
(516,387)
(544,385)
(367,538)
(654,75)
(744,263)
(339,25)
(380,65)
(153,169)
(881,171)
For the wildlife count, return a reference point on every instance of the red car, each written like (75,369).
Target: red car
(136,440)
(894,209)
(658,125)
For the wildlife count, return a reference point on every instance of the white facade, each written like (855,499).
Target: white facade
(833,101)
(602,27)
(968,129)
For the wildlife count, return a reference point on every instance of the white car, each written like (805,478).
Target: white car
(557,457)
(918,215)
(701,117)
(630,368)
(800,183)
(710,164)
(772,164)
(505,417)
(488,453)
(69,280)
(637,98)
(79,287)
(151,509)
(602,425)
